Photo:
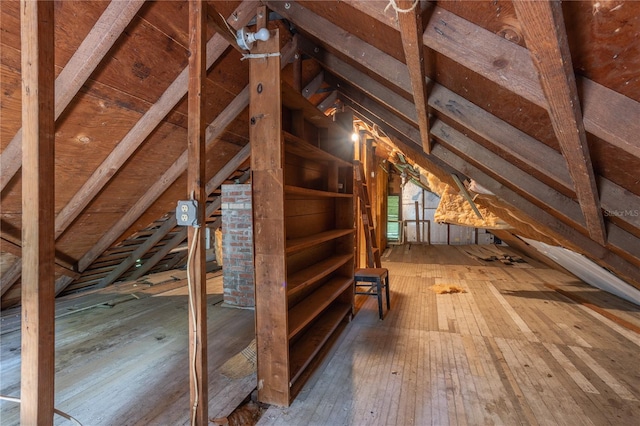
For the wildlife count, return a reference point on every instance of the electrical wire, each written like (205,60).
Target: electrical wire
(195,323)
(55,410)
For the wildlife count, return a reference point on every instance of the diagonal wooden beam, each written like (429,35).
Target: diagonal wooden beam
(179,236)
(546,38)
(214,130)
(38,207)
(410,23)
(609,115)
(130,260)
(143,128)
(104,33)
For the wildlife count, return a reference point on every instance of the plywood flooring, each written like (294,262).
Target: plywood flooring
(508,351)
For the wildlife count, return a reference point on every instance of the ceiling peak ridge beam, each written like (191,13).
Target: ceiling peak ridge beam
(410,23)
(216,46)
(213,131)
(607,114)
(90,53)
(528,150)
(546,38)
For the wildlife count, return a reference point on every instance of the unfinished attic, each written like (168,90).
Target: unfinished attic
(320,212)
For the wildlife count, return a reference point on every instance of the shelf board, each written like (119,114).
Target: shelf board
(308,346)
(297,244)
(306,277)
(297,190)
(304,149)
(311,306)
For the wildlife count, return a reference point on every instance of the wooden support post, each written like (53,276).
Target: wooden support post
(196,147)
(267,152)
(38,247)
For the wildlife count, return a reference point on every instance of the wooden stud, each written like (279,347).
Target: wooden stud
(90,53)
(267,162)
(196,175)
(410,23)
(546,37)
(38,297)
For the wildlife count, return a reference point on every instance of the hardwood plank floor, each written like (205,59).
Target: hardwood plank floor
(508,351)
(127,364)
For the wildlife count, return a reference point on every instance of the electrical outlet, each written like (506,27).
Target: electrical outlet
(187,213)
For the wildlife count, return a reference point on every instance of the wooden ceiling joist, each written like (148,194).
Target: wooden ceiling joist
(622,241)
(38,207)
(75,73)
(546,37)
(410,23)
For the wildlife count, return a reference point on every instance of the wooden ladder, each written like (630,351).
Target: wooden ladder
(373,251)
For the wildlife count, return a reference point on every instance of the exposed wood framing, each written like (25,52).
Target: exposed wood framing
(196,175)
(90,53)
(267,166)
(618,237)
(141,130)
(214,130)
(410,23)
(606,114)
(472,117)
(38,296)
(546,37)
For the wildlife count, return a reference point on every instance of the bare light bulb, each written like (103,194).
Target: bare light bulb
(245,39)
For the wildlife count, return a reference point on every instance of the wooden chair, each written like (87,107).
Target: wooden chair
(373,280)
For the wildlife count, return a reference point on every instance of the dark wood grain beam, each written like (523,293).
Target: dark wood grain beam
(38,207)
(410,23)
(89,54)
(196,175)
(546,38)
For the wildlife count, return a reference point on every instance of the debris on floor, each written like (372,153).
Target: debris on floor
(447,289)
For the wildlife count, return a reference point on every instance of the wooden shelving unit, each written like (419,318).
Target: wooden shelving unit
(309,290)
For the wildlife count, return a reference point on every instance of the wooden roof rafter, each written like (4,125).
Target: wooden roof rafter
(410,23)
(213,131)
(546,39)
(76,72)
